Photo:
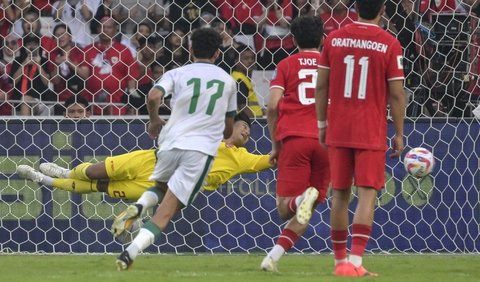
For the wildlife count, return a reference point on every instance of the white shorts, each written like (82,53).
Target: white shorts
(184,172)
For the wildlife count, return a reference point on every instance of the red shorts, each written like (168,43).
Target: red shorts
(302,163)
(367,167)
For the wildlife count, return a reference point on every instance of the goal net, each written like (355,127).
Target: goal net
(440,213)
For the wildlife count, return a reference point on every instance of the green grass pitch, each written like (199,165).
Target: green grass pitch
(232,268)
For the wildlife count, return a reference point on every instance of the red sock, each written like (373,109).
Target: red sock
(292,205)
(339,243)
(287,239)
(360,235)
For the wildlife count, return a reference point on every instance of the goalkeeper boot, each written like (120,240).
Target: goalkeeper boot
(123,261)
(125,219)
(54,170)
(28,172)
(269,265)
(304,210)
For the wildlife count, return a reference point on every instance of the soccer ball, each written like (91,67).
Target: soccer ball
(419,162)
(128,234)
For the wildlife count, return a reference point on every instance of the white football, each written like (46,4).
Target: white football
(128,234)
(419,162)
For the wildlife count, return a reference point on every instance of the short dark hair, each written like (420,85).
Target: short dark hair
(30,38)
(64,26)
(243,117)
(308,31)
(369,9)
(76,99)
(205,42)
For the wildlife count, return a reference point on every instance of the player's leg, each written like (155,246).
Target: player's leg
(370,178)
(341,171)
(183,185)
(66,184)
(292,183)
(150,231)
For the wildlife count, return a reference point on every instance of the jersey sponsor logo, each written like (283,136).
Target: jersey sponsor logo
(360,44)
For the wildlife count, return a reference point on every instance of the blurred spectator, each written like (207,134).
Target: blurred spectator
(150,71)
(275,41)
(68,58)
(303,8)
(113,70)
(229,48)
(107,9)
(9,50)
(186,14)
(31,25)
(31,73)
(176,49)
(337,16)
(152,12)
(142,30)
(20,8)
(76,107)
(7,17)
(246,98)
(76,14)
(240,15)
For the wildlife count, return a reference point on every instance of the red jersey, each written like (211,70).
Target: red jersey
(362,58)
(297,76)
(112,68)
(333,22)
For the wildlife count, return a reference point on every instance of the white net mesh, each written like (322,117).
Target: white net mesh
(437,214)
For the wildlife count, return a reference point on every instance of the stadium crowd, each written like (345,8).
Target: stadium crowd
(112,51)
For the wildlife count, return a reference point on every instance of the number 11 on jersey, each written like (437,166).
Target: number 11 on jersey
(362,87)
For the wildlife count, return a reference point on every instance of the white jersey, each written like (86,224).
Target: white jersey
(202,95)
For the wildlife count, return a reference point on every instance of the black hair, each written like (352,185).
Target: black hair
(76,99)
(205,42)
(308,31)
(61,26)
(243,117)
(369,9)
(30,38)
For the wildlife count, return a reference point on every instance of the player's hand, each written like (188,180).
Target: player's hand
(154,127)
(397,144)
(321,136)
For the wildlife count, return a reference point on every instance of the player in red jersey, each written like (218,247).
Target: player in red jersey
(360,68)
(302,162)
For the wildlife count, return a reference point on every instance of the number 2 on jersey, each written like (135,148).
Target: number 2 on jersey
(304,85)
(362,86)
(196,93)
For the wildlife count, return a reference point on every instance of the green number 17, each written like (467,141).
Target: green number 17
(196,93)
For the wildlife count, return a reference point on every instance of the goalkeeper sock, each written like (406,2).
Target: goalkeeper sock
(339,245)
(74,185)
(47,180)
(360,235)
(80,172)
(150,198)
(146,236)
(285,242)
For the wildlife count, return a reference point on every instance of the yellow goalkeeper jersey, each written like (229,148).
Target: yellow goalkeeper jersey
(231,161)
(130,172)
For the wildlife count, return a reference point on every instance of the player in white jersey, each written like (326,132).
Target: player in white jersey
(203,107)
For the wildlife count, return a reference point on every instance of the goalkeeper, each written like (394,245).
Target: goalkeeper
(126,176)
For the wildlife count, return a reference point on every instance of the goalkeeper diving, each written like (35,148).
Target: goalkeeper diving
(126,176)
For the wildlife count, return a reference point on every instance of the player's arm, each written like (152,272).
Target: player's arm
(272,117)
(321,102)
(229,120)
(253,162)
(397,110)
(154,100)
